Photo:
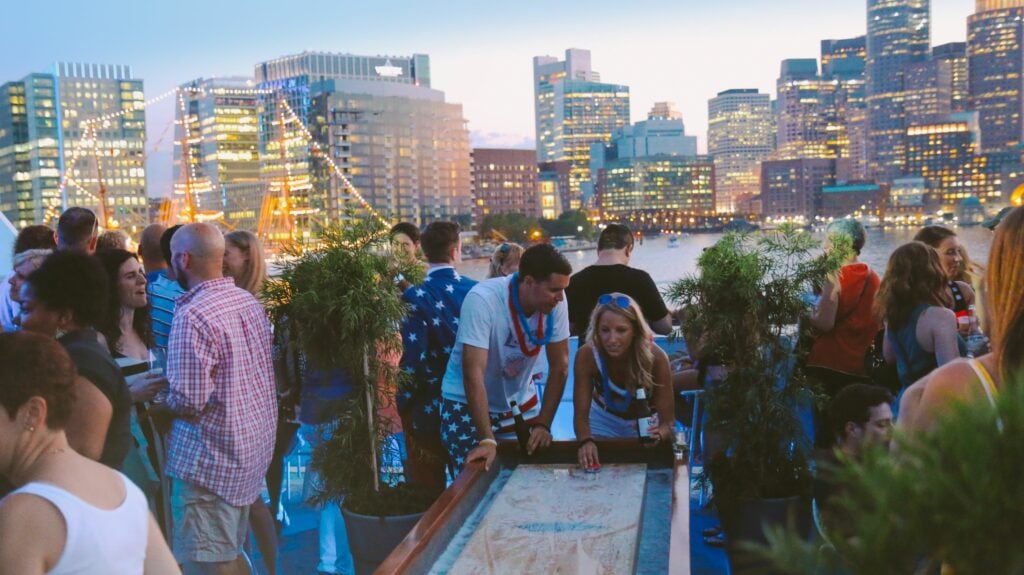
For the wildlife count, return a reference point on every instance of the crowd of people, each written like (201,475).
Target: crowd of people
(149,399)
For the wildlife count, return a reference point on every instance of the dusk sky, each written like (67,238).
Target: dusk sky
(480,52)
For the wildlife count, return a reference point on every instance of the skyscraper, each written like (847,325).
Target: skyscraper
(392,141)
(30,162)
(955,54)
(741,133)
(217,126)
(573,111)
(927,92)
(806,123)
(899,33)
(995,52)
(843,63)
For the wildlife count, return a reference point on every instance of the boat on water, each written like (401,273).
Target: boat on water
(673,241)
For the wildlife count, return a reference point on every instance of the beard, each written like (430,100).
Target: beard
(179,275)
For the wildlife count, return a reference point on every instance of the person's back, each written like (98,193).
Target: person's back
(913,343)
(221,328)
(612,274)
(105,517)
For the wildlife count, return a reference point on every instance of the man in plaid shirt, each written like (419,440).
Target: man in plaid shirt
(223,398)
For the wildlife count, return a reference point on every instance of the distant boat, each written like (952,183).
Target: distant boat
(673,242)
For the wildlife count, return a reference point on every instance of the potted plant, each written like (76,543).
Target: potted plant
(341,298)
(950,500)
(744,303)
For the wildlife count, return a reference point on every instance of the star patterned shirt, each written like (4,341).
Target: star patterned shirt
(428,335)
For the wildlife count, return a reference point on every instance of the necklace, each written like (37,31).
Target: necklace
(521,323)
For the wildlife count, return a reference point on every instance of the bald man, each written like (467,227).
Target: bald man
(223,398)
(149,250)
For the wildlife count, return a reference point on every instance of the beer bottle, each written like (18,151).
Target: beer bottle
(522,432)
(644,417)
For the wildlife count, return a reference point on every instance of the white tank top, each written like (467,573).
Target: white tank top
(99,541)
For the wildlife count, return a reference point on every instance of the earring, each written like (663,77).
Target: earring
(31,428)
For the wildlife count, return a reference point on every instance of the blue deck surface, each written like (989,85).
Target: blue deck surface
(299,544)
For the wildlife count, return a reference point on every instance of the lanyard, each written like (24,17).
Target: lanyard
(522,325)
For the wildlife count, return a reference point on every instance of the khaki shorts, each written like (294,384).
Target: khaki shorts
(207,529)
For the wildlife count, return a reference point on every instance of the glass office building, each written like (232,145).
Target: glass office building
(898,34)
(995,33)
(30,161)
(741,133)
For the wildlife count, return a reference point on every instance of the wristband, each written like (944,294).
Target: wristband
(488,441)
(583,442)
(539,424)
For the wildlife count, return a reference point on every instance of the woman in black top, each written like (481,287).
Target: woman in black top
(951,255)
(66,298)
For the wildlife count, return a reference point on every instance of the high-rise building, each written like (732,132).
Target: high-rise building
(659,189)
(995,52)
(217,126)
(741,133)
(663,132)
(946,156)
(791,189)
(843,63)
(30,161)
(387,141)
(927,91)
(504,182)
(574,111)
(899,33)
(70,137)
(806,122)
(955,54)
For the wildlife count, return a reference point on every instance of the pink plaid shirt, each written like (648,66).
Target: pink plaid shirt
(222,389)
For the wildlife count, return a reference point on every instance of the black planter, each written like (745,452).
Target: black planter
(746,523)
(371,538)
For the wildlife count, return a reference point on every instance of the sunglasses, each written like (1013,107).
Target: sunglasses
(621,301)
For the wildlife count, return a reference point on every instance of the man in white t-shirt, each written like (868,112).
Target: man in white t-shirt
(505,324)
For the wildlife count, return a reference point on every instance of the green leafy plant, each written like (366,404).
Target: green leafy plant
(954,497)
(742,307)
(340,298)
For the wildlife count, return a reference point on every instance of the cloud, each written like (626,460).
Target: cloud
(501,140)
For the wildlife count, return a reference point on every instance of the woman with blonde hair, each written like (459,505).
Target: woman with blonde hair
(618,359)
(505,260)
(245,261)
(987,375)
(920,330)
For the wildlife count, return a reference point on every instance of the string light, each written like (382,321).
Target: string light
(334,167)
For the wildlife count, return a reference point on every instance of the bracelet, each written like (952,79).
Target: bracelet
(583,442)
(539,424)
(488,441)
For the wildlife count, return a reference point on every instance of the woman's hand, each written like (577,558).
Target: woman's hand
(143,387)
(587,455)
(660,432)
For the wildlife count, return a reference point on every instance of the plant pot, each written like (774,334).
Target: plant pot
(372,538)
(746,525)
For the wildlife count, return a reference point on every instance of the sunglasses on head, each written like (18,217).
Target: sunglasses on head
(620,301)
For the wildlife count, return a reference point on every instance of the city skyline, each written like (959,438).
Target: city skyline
(480,57)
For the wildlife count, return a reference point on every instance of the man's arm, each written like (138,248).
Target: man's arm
(191,358)
(558,372)
(474,364)
(649,298)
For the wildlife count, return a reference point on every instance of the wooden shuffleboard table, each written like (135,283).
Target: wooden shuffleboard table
(543,514)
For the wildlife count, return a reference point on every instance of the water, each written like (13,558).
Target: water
(667,264)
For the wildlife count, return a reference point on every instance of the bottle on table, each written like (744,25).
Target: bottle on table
(977,343)
(645,417)
(522,432)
